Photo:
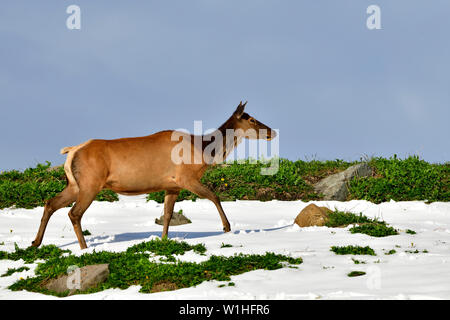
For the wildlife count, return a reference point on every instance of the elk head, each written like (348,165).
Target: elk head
(252,128)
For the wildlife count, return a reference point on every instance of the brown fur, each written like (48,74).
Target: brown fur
(132,166)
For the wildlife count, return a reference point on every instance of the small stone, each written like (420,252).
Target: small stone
(176,220)
(312,215)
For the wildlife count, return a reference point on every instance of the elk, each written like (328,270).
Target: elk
(139,165)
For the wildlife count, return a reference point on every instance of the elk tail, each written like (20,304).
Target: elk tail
(66,150)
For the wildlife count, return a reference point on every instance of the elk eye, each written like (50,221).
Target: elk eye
(251,120)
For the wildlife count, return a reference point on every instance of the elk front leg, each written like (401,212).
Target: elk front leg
(169,203)
(203,192)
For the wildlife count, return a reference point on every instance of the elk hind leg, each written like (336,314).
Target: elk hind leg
(66,197)
(83,202)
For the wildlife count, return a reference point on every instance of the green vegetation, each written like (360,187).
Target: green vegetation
(133,267)
(378,229)
(356,273)
(230,284)
(392,251)
(242,180)
(31,254)
(33,187)
(358,261)
(166,247)
(409,231)
(371,227)
(10,271)
(403,180)
(86,233)
(357,250)
(397,179)
(338,219)
(416,251)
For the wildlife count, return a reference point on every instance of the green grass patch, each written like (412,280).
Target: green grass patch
(242,180)
(34,186)
(416,251)
(31,254)
(356,273)
(355,261)
(343,219)
(374,230)
(409,231)
(133,267)
(166,247)
(371,227)
(230,284)
(393,178)
(403,180)
(356,250)
(11,271)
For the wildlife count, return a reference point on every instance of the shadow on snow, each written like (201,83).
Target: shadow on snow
(130,236)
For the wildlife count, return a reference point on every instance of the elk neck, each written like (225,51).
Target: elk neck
(225,145)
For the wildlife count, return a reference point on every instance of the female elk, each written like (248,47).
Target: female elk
(132,166)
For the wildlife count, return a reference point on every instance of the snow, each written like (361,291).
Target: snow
(258,227)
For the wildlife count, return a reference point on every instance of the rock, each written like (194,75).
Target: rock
(177,219)
(335,187)
(312,215)
(55,168)
(79,279)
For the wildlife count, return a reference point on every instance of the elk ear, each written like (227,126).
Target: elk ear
(239,110)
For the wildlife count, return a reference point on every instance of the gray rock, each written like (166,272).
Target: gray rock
(176,220)
(55,168)
(335,187)
(79,279)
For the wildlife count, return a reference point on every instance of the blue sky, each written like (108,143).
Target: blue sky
(311,69)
